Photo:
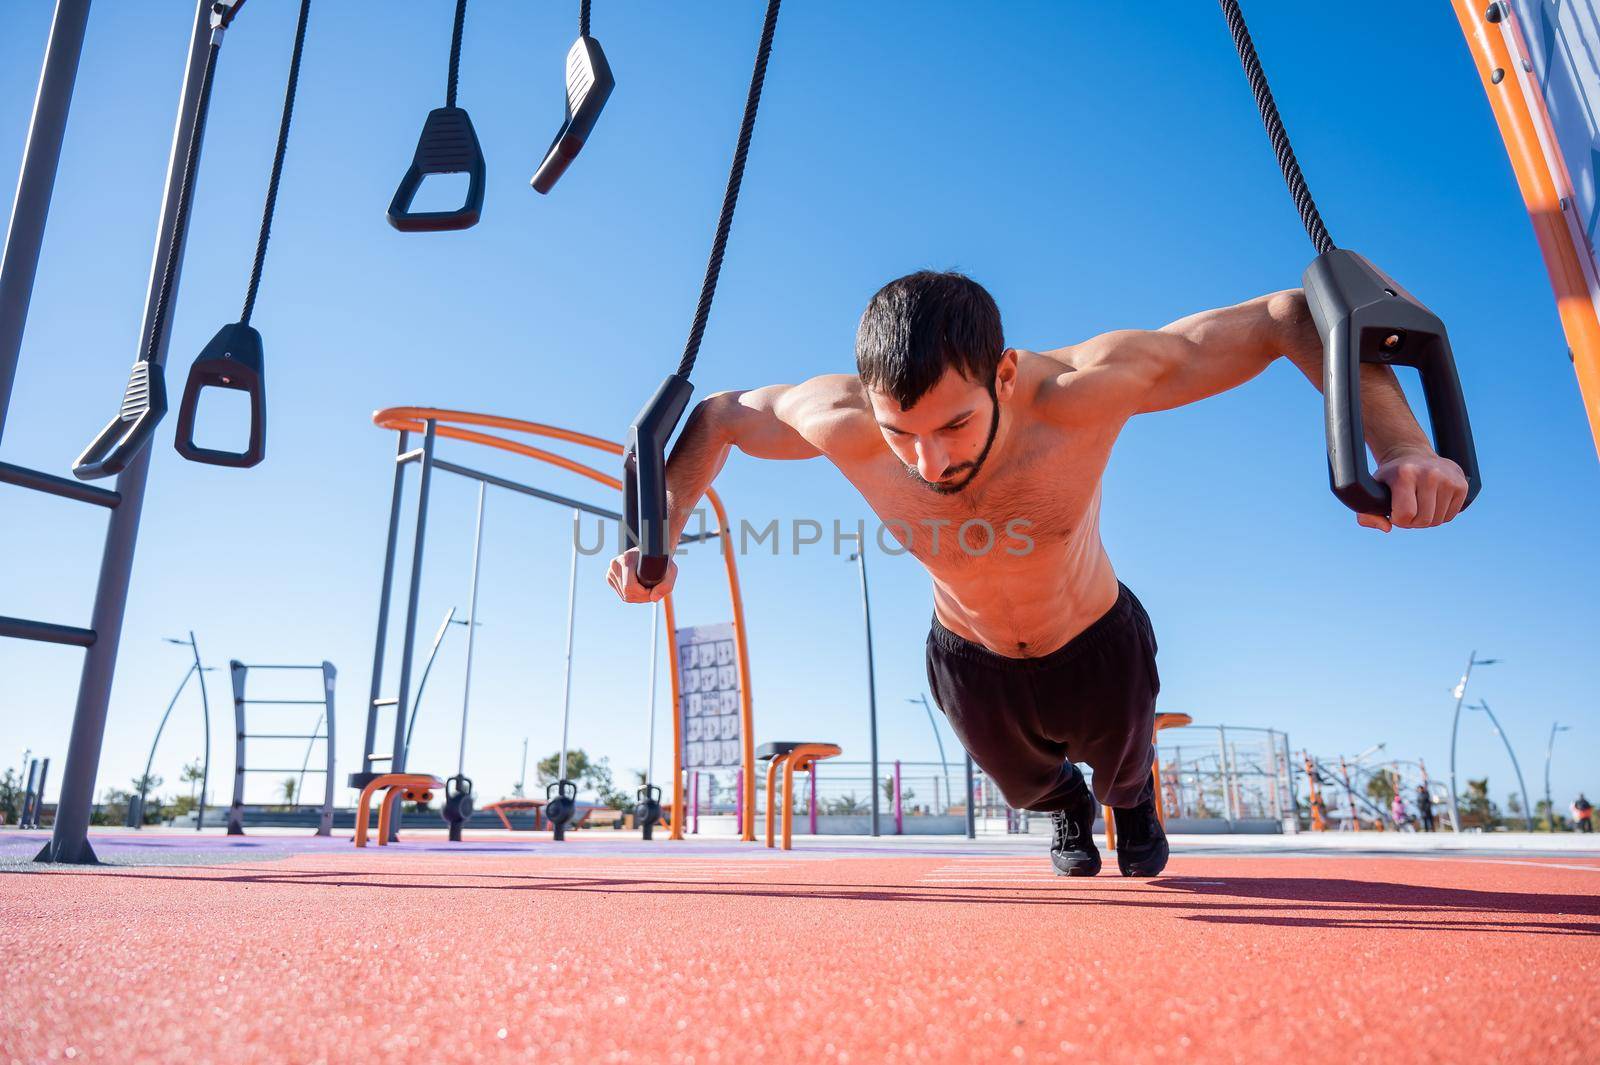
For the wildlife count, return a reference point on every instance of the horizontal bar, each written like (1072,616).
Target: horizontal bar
(46,632)
(380,757)
(50,484)
(281,736)
(252,665)
(253,769)
(385,702)
(285,702)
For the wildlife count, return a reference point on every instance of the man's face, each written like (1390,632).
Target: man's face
(945,438)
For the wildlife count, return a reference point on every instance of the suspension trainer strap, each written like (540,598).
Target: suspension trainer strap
(144,399)
(277,163)
(644,459)
(1275,131)
(730,197)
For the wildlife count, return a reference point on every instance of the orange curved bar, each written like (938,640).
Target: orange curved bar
(415,419)
(802,758)
(1546,186)
(392,785)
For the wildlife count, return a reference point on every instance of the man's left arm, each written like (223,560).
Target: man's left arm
(1213,351)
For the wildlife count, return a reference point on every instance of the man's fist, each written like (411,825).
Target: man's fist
(624,577)
(1425,490)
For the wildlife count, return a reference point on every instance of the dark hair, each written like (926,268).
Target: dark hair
(918,326)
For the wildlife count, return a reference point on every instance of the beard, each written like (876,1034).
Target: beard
(950,488)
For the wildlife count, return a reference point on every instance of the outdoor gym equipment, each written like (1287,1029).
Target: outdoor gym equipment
(33,794)
(589,85)
(234,358)
(644,460)
(648,810)
(240,671)
(1362,316)
(448,145)
(427,670)
(136,804)
(144,401)
(430,424)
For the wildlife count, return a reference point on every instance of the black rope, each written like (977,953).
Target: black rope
(455,54)
(730,198)
(180,221)
(583,18)
(277,164)
(1275,131)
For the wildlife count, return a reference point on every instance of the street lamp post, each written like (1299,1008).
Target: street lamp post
(923,699)
(136,810)
(1455,727)
(1527,810)
(859,558)
(1549,804)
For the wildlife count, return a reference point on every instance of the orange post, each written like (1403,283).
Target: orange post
(1170,720)
(1499,51)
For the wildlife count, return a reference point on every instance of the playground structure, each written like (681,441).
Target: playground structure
(465,426)
(322,731)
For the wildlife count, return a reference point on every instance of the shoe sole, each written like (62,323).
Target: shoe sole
(1078,868)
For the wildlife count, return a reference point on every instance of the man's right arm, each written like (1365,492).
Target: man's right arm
(760,422)
(773,422)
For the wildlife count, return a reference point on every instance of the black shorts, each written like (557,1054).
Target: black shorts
(1026,720)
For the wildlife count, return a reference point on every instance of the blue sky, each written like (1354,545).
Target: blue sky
(1096,167)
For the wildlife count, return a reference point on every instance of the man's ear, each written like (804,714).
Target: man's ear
(1005,375)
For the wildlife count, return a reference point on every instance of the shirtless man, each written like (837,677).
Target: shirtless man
(985,461)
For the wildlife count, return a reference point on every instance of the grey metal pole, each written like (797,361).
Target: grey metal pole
(27,794)
(427,668)
(650,751)
(1455,728)
(19,262)
(237,674)
(384,596)
(859,558)
(136,809)
(1527,810)
(330,677)
(522,780)
(1222,767)
(1549,749)
(205,713)
(938,739)
(70,840)
(972,815)
(407,648)
(566,695)
(472,631)
(38,798)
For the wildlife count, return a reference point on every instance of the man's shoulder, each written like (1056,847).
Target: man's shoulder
(832,412)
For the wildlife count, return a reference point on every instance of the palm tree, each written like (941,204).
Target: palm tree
(286,786)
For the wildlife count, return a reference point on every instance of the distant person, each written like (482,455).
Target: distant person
(1397,812)
(1425,808)
(1583,813)
(1038,656)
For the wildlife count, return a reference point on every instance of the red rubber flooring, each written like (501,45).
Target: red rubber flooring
(726,954)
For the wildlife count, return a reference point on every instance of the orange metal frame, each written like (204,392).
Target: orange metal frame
(1499,50)
(801,759)
(1162,721)
(395,786)
(448,424)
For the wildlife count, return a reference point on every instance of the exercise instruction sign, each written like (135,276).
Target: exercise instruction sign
(709,670)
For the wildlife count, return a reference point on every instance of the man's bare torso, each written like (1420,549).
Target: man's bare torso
(1030,572)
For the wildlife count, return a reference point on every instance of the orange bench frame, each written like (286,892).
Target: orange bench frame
(1162,721)
(418,786)
(802,758)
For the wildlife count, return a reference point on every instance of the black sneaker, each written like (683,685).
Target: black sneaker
(1072,849)
(1141,841)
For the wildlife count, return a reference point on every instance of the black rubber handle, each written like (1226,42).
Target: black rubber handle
(1363,315)
(589,85)
(448,145)
(144,404)
(233,360)
(644,475)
